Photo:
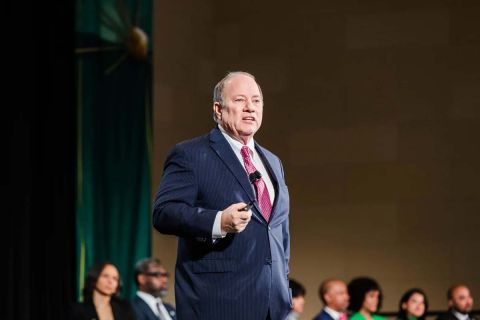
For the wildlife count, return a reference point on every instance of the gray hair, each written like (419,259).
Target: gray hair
(143,265)
(218,90)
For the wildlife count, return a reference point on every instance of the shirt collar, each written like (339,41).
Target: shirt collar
(459,315)
(334,314)
(149,299)
(235,144)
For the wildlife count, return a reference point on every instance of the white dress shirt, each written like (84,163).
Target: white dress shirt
(236,146)
(334,314)
(460,316)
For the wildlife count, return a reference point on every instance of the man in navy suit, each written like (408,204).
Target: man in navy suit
(335,298)
(225,197)
(152,283)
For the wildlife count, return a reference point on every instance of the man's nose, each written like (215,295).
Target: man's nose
(250,106)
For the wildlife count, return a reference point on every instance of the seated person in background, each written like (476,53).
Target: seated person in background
(413,305)
(100,296)
(335,298)
(298,299)
(152,283)
(460,303)
(365,299)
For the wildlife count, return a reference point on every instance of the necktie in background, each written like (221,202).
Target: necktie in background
(263,197)
(161,313)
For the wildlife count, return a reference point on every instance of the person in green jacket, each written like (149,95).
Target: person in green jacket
(365,299)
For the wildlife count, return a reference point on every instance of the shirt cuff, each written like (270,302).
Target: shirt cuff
(217,231)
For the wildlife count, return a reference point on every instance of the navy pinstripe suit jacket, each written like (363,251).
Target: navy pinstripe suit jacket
(244,275)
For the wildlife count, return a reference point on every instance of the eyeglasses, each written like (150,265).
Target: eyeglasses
(157,274)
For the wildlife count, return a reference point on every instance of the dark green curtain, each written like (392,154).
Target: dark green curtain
(114,138)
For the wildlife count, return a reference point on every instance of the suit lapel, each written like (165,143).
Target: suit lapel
(146,308)
(117,312)
(326,315)
(221,147)
(90,311)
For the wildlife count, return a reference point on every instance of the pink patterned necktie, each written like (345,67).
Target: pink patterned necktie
(343,316)
(263,197)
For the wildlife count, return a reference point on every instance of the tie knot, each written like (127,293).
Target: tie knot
(245,151)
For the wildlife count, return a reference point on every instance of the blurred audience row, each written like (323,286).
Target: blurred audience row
(101,294)
(362,298)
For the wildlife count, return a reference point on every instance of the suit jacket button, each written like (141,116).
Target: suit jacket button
(268,261)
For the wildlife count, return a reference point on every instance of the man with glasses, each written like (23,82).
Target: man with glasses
(152,283)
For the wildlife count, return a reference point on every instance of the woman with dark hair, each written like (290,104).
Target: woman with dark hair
(413,305)
(298,299)
(100,296)
(365,299)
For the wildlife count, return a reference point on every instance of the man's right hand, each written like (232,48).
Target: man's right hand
(234,219)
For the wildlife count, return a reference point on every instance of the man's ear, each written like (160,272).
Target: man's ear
(141,279)
(327,298)
(217,109)
(450,303)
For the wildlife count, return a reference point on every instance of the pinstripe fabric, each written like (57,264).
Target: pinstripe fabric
(244,275)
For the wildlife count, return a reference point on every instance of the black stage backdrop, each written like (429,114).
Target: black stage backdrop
(38,158)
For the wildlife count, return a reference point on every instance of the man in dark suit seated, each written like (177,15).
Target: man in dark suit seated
(460,303)
(335,298)
(152,283)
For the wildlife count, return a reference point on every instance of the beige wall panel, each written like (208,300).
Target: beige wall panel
(373,107)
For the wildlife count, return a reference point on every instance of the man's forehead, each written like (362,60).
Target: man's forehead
(240,81)
(156,266)
(335,283)
(461,291)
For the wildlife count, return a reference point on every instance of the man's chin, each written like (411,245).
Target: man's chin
(464,311)
(160,294)
(247,134)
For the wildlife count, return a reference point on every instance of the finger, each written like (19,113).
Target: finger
(242,222)
(239,205)
(245,223)
(241,227)
(245,214)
